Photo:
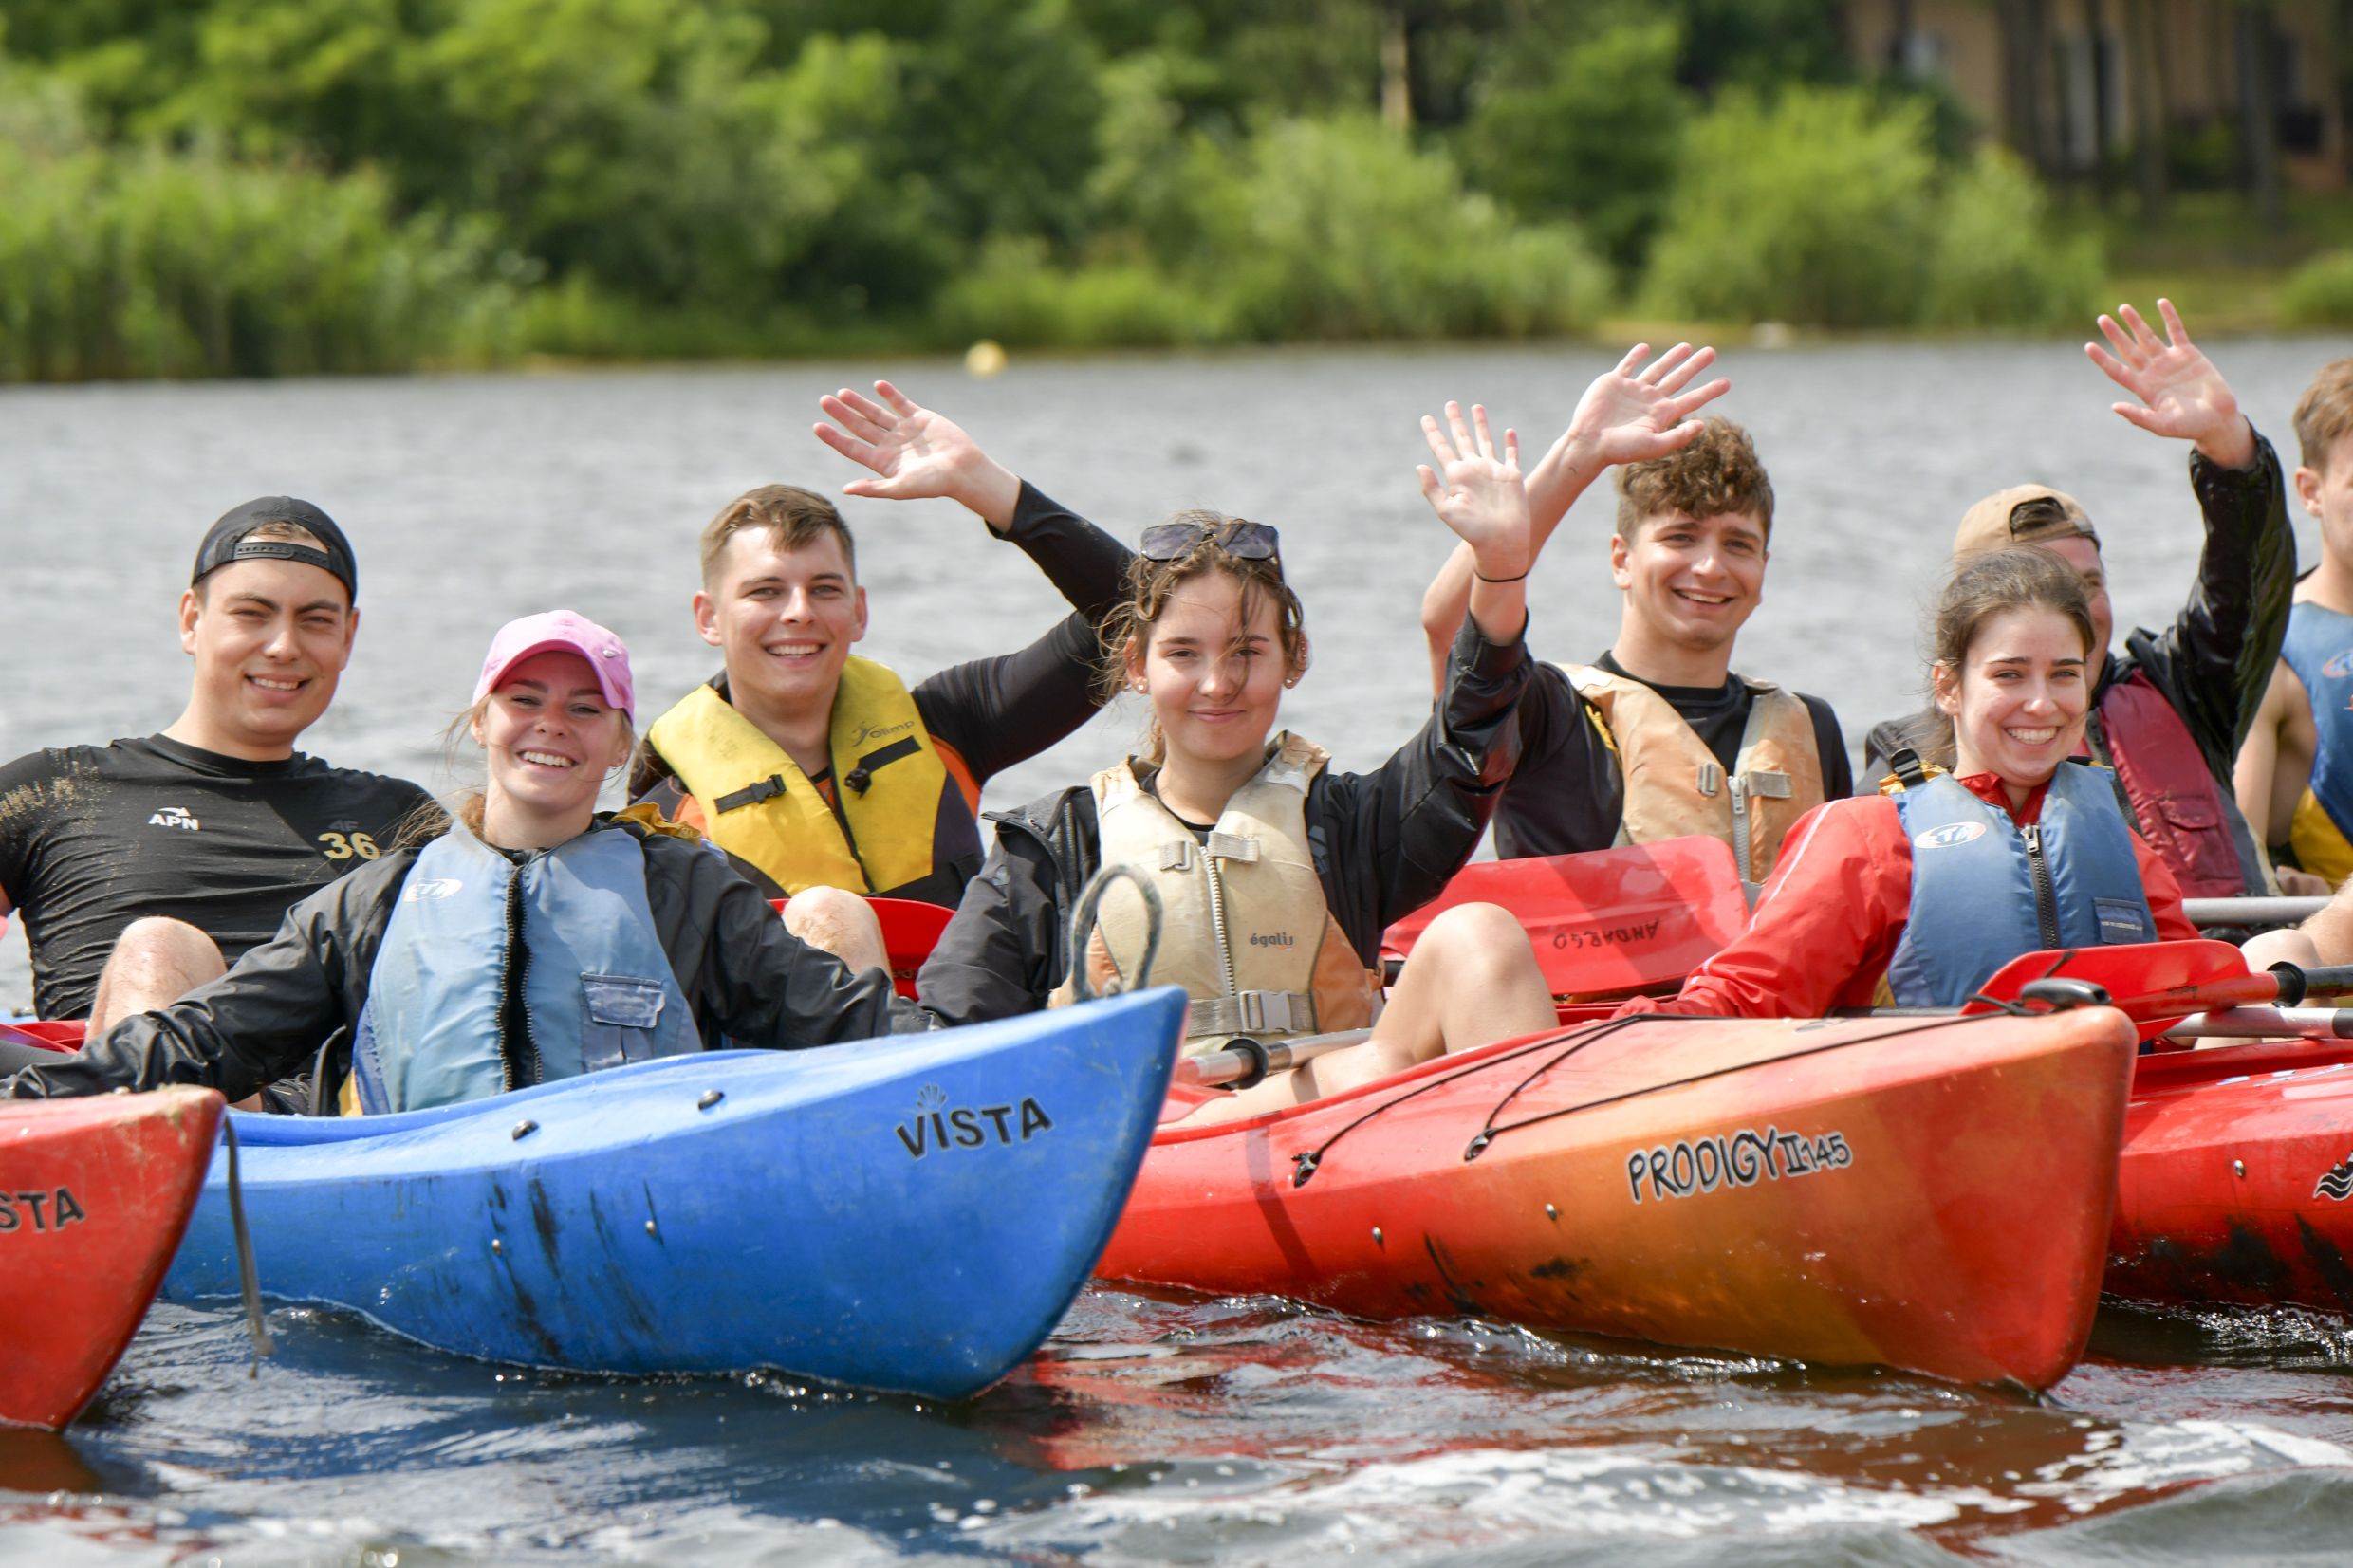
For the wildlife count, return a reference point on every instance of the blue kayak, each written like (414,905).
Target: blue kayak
(909,1213)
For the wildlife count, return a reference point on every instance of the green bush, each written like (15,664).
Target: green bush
(1997,262)
(118,262)
(1017,296)
(1827,207)
(2320,293)
(1341,230)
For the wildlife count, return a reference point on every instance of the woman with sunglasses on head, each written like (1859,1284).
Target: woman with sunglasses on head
(527,940)
(1276,873)
(1917,896)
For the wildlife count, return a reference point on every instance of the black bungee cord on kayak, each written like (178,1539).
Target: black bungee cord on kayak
(1082,926)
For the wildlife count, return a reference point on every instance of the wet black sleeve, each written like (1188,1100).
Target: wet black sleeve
(749,977)
(1387,841)
(1838,768)
(260,1021)
(999,956)
(999,711)
(2213,662)
(24,794)
(1565,796)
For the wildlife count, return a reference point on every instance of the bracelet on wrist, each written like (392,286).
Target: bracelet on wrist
(1484,578)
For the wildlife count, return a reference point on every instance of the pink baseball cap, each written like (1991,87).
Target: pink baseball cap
(553,630)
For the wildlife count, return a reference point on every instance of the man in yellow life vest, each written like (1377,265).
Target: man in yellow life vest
(1659,738)
(819,768)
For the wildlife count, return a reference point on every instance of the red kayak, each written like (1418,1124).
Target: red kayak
(1931,1194)
(2237,1182)
(94,1195)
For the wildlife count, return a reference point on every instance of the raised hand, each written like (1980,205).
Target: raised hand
(1634,413)
(914,454)
(2181,394)
(1475,489)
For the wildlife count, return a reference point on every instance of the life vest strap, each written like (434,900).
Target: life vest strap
(1252,1013)
(766,789)
(1233,847)
(1772,785)
(863,775)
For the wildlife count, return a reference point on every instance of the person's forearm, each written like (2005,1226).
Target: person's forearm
(1086,565)
(2232,447)
(1567,470)
(1443,605)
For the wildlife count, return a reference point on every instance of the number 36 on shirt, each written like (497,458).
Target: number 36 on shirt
(342,846)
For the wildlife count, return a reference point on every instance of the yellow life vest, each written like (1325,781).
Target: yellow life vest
(1245,929)
(1675,787)
(757,803)
(2320,844)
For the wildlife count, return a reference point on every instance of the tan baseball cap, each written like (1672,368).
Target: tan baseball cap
(2023,514)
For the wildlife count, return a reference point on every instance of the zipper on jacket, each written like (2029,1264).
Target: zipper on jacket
(2045,899)
(513,1016)
(1218,917)
(1742,826)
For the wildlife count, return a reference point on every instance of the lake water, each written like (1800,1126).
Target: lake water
(1152,1429)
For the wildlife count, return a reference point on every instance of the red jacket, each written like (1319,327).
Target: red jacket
(1827,923)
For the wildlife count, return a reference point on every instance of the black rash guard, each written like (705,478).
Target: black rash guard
(95,836)
(1568,795)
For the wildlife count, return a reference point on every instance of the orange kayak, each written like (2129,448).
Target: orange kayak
(94,1197)
(1933,1195)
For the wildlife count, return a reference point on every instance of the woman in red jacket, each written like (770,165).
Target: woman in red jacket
(1918,895)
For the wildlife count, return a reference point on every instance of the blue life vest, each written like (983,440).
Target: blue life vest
(566,933)
(2319,649)
(1985,889)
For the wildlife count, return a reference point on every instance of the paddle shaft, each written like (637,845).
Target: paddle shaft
(2266,1023)
(1211,1068)
(2251,912)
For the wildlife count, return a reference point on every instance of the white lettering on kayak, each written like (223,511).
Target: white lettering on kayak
(1605,937)
(1689,1167)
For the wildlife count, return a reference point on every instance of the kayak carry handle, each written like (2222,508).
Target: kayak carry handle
(1083,926)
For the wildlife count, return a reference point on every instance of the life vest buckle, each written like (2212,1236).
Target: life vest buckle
(1773,786)
(752,794)
(1710,779)
(1176,857)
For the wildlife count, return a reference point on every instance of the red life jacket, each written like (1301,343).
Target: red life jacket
(2180,806)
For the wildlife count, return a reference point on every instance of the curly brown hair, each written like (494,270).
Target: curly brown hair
(1150,583)
(1718,472)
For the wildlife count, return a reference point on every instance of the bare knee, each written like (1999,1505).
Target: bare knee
(839,922)
(1478,939)
(155,962)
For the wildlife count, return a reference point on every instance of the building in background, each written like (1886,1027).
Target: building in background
(2149,92)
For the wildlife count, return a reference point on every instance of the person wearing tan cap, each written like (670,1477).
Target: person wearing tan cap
(2169,712)
(2295,772)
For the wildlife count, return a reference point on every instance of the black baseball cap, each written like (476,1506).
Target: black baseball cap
(226,540)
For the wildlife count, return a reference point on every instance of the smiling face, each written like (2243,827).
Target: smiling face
(270,639)
(784,620)
(552,739)
(1214,679)
(1691,583)
(2018,699)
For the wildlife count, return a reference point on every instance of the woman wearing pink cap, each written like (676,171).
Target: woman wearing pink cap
(525,940)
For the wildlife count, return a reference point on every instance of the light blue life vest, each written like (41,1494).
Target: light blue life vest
(2319,650)
(596,987)
(1985,889)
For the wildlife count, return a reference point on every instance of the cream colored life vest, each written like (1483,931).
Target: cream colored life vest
(758,803)
(1245,927)
(1674,786)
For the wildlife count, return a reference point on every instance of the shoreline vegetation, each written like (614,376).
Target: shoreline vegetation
(289,187)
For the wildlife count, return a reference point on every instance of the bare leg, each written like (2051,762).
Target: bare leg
(840,923)
(156,962)
(1472,980)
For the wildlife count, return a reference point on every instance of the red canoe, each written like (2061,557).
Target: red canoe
(94,1195)
(1930,1194)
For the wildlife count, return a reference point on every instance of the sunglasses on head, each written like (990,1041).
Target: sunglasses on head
(1236,536)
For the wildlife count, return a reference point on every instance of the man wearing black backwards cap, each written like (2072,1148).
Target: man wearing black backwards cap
(142,868)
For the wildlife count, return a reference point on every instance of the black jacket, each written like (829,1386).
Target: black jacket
(1385,843)
(745,975)
(2213,662)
